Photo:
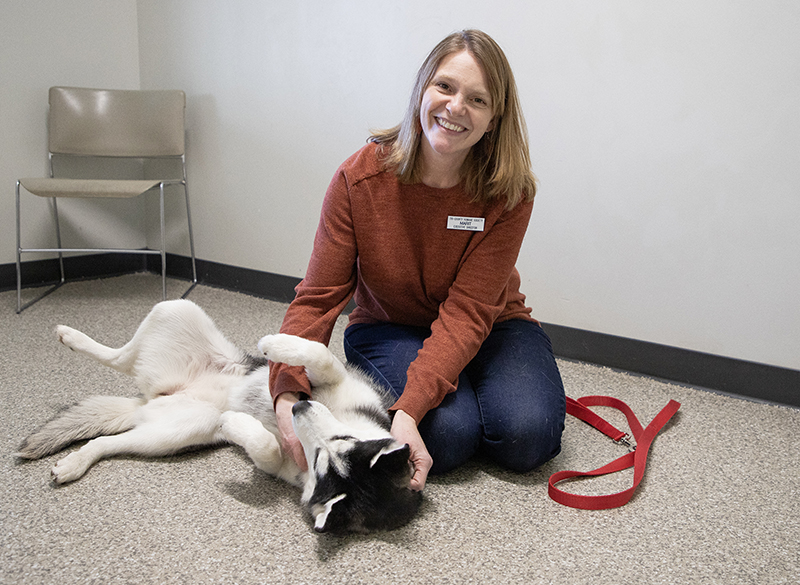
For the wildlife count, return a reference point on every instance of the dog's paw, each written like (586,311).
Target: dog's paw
(237,427)
(66,335)
(72,338)
(292,350)
(269,345)
(70,468)
(322,367)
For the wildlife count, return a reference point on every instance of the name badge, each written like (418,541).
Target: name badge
(470,224)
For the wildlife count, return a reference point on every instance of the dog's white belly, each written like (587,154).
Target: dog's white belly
(210,387)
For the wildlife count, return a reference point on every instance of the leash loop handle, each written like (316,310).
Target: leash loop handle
(635,458)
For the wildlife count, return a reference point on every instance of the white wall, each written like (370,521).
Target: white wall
(90,43)
(280,94)
(665,136)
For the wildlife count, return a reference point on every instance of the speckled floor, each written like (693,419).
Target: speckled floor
(719,502)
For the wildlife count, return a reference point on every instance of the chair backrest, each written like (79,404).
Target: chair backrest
(120,123)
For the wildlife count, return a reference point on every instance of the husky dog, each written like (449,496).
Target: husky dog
(199,389)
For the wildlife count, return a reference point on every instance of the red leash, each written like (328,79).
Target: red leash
(636,458)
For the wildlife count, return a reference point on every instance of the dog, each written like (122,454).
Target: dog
(198,389)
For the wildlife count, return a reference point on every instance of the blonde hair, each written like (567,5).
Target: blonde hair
(499,164)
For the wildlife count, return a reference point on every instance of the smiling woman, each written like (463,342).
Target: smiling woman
(499,165)
(423,226)
(454,115)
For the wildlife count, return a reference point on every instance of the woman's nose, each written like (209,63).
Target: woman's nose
(457,104)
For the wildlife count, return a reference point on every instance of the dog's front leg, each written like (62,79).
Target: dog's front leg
(261,446)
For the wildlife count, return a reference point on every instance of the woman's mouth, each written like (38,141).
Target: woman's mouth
(449,125)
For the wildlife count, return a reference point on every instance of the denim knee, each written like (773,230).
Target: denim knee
(451,443)
(527,443)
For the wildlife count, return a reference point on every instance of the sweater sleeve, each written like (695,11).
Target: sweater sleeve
(475,300)
(328,286)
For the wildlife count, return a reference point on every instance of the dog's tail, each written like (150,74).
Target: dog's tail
(95,416)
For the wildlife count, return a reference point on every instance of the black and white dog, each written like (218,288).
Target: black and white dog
(199,389)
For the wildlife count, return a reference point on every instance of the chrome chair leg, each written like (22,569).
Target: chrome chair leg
(163,247)
(191,241)
(19,272)
(20,306)
(58,240)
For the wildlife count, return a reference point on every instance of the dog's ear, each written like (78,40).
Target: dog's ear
(391,458)
(321,521)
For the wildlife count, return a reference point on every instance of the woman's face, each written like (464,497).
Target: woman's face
(456,111)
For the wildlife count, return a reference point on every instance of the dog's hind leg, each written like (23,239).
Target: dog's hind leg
(121,359)
(322,367)
(166,426)
(260,445)
(165,319)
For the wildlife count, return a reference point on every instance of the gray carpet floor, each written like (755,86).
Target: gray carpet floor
(719,502)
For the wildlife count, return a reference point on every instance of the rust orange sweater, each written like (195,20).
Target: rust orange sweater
(389,244)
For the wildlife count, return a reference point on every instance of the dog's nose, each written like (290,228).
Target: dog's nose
(300,407)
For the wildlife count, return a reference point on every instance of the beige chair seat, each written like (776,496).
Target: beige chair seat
(87,187)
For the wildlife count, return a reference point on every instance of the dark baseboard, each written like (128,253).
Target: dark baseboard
(47,272)
(713,372)
(716,373)
(266,285)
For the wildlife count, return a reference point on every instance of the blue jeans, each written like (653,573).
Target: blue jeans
(509,405)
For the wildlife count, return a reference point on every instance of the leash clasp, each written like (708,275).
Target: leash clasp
(626,441)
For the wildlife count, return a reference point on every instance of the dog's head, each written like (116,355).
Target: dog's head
(355,483)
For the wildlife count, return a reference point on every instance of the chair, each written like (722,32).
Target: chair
(122,124)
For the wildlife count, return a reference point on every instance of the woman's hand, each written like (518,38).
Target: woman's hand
(289,441)
(404,429)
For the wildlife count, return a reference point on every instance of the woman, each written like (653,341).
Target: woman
(423,225)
